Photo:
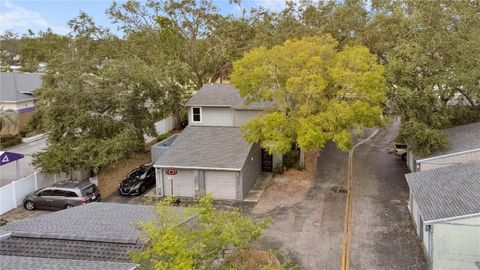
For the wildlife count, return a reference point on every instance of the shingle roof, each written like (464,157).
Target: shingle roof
(12,84)
(91,232)
(67,249)
(460,138)
(447,192)
(207,147)
(31,263)
(224,95)
(103,222)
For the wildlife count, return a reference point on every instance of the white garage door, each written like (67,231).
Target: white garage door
(182,184)
(222,184)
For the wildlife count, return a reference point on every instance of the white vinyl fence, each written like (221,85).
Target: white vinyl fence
(11,195)
(165,125)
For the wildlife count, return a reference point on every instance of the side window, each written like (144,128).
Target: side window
(70,194)
(47,192)
(58,193)
(196,114)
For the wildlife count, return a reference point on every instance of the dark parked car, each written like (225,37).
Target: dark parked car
(138,180)
(62,195)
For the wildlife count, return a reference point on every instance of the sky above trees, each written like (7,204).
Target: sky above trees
(19,16)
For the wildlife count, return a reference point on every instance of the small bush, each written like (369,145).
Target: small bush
(164,136)
(290,159)
(10,140)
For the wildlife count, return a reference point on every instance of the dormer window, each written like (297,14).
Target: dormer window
(196,114)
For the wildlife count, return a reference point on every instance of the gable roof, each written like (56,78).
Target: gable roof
(17,86)
(92,232)
(224,95)
(448,192)
(460,139)
(207,147)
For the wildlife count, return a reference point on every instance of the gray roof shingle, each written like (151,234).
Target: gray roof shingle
(31,263)
(95,232)
(103,222)
(207,147)
(460,138)
(447,192)
(67,249)
(224,95)
(12,84)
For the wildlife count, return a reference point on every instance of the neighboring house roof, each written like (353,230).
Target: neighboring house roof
(224,95)
(32,263)
(460,139)
(17,86)
(207,147)
(91,232)
(448,192)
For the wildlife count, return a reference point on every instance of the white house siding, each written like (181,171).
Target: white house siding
(241,117)
(456,244)
(221,184)
(415,214)
(449,160)
(213,116)
(251,169)
(183,183)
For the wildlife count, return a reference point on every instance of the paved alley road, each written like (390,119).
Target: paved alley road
(383,235)
(311,231)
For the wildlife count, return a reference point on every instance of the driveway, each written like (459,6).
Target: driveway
(310,232)
(8,172)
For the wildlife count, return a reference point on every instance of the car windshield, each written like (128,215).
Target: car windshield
(139,173)
(90,190)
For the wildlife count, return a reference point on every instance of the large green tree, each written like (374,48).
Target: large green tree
(321,92)
(96,106)
(430,50)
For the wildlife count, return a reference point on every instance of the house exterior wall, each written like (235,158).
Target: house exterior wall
(411,161)
(449,160)
(212,116)
(24,110)
(241,117)
(456,244)
(183,183)
(251,169)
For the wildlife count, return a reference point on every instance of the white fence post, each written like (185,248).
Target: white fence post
(14,194)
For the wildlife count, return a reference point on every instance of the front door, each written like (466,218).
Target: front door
(267,161)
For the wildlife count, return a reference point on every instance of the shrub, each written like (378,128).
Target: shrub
(422,139)
(10,140)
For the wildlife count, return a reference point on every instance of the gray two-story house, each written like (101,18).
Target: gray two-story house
(211,155)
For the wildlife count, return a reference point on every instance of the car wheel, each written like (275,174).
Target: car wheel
(29,205)
(68,206)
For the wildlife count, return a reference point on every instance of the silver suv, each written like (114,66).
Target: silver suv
(62,195)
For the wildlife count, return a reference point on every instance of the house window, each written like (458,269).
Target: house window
(196,114)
